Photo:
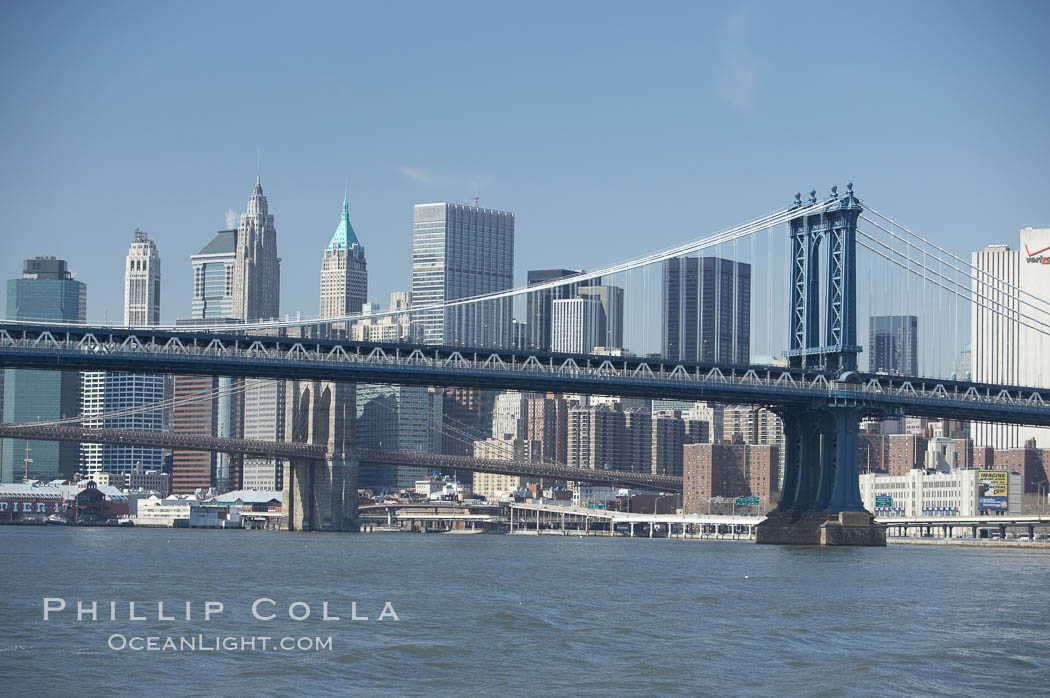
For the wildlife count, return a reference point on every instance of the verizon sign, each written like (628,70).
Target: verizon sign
(1037,256)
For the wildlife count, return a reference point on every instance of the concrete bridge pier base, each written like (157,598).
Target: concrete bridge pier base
(321,495)
(820,503)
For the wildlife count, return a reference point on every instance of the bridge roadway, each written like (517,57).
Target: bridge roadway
(366,457)
(946,526)
(190,352)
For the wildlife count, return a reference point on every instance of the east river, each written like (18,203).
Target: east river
(486,615)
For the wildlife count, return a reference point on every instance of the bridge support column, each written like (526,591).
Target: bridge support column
(321,495)
(820,503)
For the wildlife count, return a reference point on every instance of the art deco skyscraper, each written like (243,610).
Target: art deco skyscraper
(257,269)
(114,391)
(142,282)
(344,272)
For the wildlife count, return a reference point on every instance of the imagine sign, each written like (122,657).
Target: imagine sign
(992,489)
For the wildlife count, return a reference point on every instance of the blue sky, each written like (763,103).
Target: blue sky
(611,129)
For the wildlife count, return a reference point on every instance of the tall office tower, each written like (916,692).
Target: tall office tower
(1011,349)
(118,392)
(610,319)
(538,309)
(595,438)
(548,423)
(213,278)
(344,272)
(893,345)
(706,310)
(575,325)
(142,282)
(460,251)
(220,413)
(263,420)
(397,418)
(257,269)
(46,291)
(206,406)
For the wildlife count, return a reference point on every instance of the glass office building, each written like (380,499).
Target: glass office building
(706,310)
(459,251)
(213,277)
(45,291)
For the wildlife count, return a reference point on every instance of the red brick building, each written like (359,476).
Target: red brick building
(728,470)
(192,470)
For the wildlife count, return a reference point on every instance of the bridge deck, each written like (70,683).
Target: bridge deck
(199,352)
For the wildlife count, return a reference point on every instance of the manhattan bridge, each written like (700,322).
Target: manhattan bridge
(833,262)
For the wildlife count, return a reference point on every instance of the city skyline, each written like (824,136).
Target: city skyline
(567,186)
(677,315)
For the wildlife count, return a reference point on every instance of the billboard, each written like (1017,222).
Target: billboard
(992,489)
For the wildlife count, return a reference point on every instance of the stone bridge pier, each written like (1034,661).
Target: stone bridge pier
(820,502)
(321,495)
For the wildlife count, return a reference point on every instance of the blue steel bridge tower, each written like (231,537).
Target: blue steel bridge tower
(820,502)
(836,226)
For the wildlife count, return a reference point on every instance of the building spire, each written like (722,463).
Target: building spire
(344,236)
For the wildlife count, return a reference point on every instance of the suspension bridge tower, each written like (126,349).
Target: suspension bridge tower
(820,502)
(321,495)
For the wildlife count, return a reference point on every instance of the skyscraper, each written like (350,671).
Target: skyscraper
(539,310)
(118,392)
(575,324)
(264,410)
(459,251)
(142,282)
(213,278)
(206,406)
(257,269)
(397,418)
(893,344)
(1006,342)
(46,291)
(706,310)
(344,273)
(610,317)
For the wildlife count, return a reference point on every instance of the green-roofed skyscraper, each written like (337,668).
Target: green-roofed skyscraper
(344,271)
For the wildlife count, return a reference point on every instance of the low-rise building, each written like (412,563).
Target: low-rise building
(960,492)
(165,512)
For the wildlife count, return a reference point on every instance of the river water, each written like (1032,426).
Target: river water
(486,615)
